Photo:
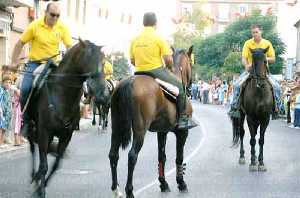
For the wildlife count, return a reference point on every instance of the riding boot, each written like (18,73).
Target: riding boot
(184,122)
(87,100)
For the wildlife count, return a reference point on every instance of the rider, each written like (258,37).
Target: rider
(256,42)
(147,53)
(44,34)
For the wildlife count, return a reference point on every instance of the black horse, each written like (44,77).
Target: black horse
(103,107)
(257,104)
(55,110)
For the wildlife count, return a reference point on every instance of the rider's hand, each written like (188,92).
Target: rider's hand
(248,67)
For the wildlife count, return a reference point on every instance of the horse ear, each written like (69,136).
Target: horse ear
(267,49)
(190,51)
(82,43)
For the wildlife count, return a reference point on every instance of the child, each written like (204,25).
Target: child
(5,107)
(17,113)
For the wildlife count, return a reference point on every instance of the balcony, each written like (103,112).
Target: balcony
(16,3)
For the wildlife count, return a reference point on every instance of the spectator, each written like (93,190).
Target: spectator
(5,107)
(17,114)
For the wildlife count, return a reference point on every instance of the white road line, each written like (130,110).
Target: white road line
(187,159)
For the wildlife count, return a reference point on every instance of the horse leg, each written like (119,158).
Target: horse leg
(100,114)
(263,127)
(253,130)
(62,145)
(103,117)
(181,136)
(32,151)
(43,168)
(161,139)
(94,113)
(137,144)
(114,157)
(242,133)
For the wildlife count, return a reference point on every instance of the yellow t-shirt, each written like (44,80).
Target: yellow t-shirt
(251,44)
(44,39)
(147,50)
(108,70)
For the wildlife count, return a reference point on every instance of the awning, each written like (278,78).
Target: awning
(16,3)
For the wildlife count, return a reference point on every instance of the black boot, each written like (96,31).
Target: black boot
(184,122)
(87,100)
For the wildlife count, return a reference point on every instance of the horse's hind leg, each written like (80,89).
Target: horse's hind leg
(62,145)
(161,139)
(261,165)
(242,133)
(137,144)
(181,136)
(114,157)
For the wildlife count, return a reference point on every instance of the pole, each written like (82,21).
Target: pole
(36,8)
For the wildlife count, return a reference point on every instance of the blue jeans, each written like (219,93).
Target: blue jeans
(243,77)
(27,83)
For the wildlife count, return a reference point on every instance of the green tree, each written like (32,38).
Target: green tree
(191,27)
(233,63)
(121,66)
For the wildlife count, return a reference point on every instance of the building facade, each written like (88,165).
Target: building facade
(297,63)
(224,12)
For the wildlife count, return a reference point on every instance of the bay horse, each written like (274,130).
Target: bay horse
(56,111)
(257,104)
(139,104)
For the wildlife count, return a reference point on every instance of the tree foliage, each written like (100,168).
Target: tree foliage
(216,49)
(191,27)
(121,66)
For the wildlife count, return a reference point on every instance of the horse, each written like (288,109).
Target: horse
(139,104)
(103,107)
(56,111)
(256,105)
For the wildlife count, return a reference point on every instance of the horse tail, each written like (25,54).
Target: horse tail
(236,122)
(121,113)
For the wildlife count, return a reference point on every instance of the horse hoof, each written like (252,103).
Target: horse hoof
(130,196)
(117,193)
(183,188)
(164,187)
(242,161)
(262,168)
(253,168)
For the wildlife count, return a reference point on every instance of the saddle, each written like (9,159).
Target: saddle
(170,91)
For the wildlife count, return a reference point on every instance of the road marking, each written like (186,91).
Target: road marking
(187,159)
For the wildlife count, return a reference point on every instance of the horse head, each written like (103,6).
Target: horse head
(183,65)
(259,62)
(86,60)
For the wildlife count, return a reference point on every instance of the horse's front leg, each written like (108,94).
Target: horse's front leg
(263,127)
(253,130)
(39,177)
(137,143)
(161,139)
(242,133)
(62,145)
(94,112)
(32,151)
(181,136)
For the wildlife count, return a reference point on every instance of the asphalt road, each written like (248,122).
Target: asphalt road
(212,165)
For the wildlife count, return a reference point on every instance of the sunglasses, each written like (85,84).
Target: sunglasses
(54,15)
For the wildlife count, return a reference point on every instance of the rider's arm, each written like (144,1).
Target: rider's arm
(168,59)
(246,63)
(271,54)
(16,53)
(245,56)
(66,37)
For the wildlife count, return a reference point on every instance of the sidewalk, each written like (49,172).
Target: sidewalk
(84,124)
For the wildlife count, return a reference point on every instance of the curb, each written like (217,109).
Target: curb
(83,125)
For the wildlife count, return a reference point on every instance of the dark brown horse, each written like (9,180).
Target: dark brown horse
(138,105)
(55,111)
(257,104)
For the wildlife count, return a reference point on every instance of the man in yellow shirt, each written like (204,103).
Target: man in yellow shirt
(256,42)
(44,35)
(148,53)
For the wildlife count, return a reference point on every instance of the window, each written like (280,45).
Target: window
(243,8)
(224,12)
